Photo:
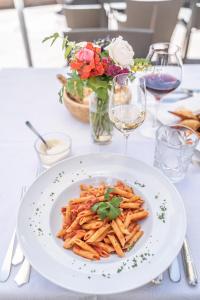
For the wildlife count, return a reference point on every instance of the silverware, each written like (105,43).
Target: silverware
(18,254)
(23,275)
(30,126)
(189,267)
(158,279)
(7,262)
(174,271)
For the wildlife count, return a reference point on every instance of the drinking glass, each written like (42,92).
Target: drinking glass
(59,149)
(164,74)
(127,105)
(174,149)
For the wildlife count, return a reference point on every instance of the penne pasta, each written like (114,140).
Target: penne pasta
(92,225)
(139,215)
(81,199)
(129,205)
(85,253)
(102,221)
(69,242)
(121,226)
(101,251)
(122,193)
(73,225)
(116,245)
(134,239)
(106,240)
(88,234)
(128,219)
(85,213)
(98,233)
(129,237)
(85,246)
(104,246)
(118,233)
(85,219)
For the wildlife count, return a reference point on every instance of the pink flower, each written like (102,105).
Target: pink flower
(85,55)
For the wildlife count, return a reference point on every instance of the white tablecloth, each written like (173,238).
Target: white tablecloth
(31,94)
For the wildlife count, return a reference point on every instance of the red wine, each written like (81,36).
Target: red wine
(161,84)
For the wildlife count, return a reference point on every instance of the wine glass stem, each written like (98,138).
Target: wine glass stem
(126,143)
(155,120)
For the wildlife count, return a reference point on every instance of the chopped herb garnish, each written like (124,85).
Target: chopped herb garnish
(120,269)
(140,184)
(108,209)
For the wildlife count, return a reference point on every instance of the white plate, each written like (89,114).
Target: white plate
(39,219)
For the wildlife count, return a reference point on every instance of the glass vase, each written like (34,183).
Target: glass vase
(100,124)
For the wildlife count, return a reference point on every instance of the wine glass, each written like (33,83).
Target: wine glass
(127,104)
(164,74)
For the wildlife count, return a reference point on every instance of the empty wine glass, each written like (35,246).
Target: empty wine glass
(127,104)
(164,74)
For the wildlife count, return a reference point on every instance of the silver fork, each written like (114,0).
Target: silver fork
(18,254)
(7,262)
(23,275)
(174,273)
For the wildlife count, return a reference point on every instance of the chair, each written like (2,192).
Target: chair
(158,15)
(166,19)
(85,16)
(140,39)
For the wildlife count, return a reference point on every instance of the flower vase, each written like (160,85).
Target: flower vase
(100,124)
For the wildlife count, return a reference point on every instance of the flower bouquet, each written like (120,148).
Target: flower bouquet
(92,66)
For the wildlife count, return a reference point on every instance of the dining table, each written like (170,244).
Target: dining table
(32,94)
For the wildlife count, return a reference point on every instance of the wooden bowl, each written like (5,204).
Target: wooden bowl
(78,110)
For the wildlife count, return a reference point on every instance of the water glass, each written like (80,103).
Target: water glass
(174,149)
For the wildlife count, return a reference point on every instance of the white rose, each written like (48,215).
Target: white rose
(121,52)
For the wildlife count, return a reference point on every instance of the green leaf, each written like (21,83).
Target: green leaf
(116,201)
(95,207)
(56,35)
(64,43)
(107,194)
(52,37)
(96,83)
(67,51)
(102,93)
(79,88)
(104,53)
(113,212)
(102,212)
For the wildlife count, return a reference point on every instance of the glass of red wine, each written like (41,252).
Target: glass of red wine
(164,74)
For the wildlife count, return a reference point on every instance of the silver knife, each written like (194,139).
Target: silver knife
(18,255)
(7,262)
(23,274)
(190,270)
(174,271)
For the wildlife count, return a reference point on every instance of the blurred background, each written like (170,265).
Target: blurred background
(24,23)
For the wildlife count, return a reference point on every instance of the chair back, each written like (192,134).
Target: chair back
(140,39)
(85,16)
(159,15)
(166,12)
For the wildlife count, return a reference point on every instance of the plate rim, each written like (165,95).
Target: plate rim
(122,290)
